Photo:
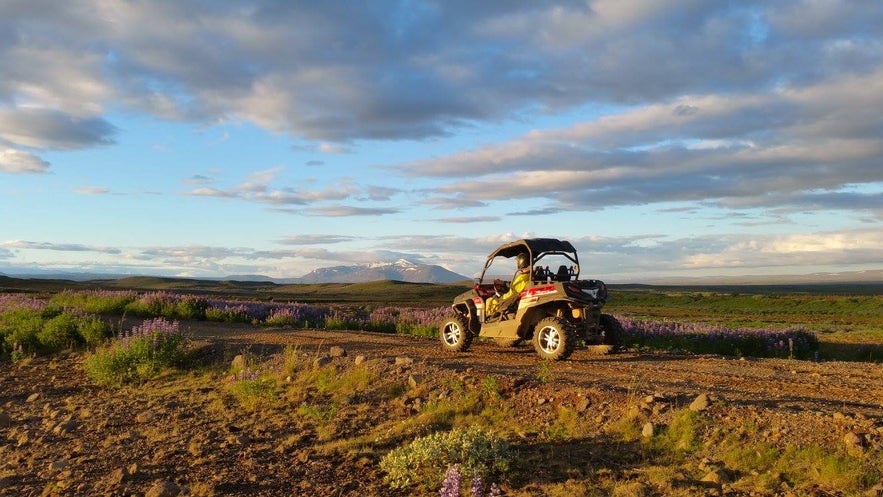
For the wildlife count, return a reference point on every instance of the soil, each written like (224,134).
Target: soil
(183,435)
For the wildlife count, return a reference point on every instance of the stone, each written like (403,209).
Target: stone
(337,352)
(144,417)
(648,431)
(404,361)
(33,397)
(118,476)
(65,427)
(321,361)
(359,360)
(414,380)
(163,489)
(58,465)
(5,420)
(717,477)
(855,443)
(700,404)
(583,404)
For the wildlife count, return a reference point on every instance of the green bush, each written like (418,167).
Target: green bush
(19,329)
(93,330)
(58,332)
(424,461)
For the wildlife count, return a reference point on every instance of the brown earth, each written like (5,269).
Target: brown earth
(184,434)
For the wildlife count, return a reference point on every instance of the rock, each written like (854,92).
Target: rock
(404,361)
(648,431)
(718,477)
(700,404)
(118,477)
(359,360)
(5,420)
(33,397)
(321,361)
(337,352)
(414,380)
(855,443)
(163,489)
(58,465)
(65,427)
(144,417)
(239,363)
(583,404)
(133,469)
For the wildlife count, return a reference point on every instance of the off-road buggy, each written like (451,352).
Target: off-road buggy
(555,310)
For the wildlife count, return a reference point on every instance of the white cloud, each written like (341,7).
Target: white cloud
(91,190)
(16,161)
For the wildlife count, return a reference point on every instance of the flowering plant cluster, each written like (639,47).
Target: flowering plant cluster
(704,338)
(139,353)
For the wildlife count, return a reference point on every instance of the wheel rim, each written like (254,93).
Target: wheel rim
(452,334)
(549,339)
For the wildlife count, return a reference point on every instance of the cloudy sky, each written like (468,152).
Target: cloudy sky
(662,137)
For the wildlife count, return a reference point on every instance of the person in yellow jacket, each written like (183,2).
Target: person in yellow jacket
(515,288)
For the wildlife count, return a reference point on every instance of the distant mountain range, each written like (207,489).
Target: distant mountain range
(401,270)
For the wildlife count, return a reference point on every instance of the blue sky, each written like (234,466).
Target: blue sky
(662,137)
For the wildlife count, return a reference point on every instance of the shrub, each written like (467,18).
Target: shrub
(58,333)
(425,460)
(93,330)
(140,354)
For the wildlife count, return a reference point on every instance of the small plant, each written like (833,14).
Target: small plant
(545,373)
(425,460)
(251,390)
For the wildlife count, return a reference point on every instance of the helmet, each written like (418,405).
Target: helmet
(522,260)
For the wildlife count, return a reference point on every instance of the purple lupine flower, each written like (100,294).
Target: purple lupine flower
(477,485)
(451,484)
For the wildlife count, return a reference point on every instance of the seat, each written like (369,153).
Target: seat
(563,274)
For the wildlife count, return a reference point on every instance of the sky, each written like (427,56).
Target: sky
(663,138)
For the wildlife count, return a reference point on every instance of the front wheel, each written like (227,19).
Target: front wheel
(553,339)
(454,335)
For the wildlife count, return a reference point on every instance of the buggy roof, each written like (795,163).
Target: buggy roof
(534,246)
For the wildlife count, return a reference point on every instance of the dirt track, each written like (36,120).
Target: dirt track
(847,387)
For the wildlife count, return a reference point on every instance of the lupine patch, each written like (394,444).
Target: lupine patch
(704,338)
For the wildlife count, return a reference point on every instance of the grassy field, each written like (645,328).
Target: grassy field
(848,319)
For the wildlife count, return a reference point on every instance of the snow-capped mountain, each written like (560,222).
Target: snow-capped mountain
(401,270)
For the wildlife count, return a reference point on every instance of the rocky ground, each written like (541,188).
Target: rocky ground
(183,434)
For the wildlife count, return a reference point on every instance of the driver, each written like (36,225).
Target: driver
(518,284)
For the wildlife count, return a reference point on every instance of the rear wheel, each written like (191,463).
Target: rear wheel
(454,335)
(553,339)
(611,329)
